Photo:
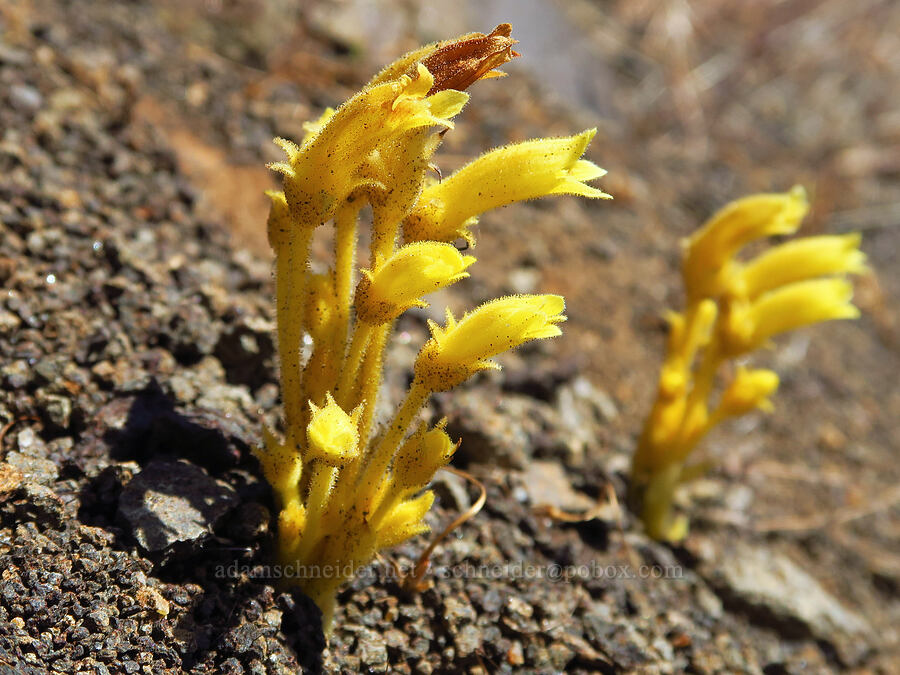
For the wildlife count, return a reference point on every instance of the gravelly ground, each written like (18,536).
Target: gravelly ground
(136,356)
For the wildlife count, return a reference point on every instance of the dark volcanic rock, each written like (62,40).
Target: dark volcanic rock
(173,503)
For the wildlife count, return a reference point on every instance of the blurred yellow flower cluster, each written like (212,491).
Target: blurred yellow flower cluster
(734,308)
(345,492)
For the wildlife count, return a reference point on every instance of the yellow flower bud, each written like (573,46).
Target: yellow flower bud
(332,435)
(509,174)
(784,309)
(708,252)
(410,273)
(459,350)
(748,390)
(405,520)
(801,259)
(419,458)
(279,225)
(414,107)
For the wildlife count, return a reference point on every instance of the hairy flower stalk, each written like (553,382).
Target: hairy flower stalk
(346,491)
(733,308)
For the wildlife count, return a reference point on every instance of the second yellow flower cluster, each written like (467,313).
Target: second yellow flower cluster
(734,308)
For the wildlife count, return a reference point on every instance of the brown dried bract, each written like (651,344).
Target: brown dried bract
(460,62)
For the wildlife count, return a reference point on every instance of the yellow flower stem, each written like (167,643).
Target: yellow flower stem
(290,297)
(661,465)
(647,452)
(316,371)
(384,236)
(384,241)
(344,258)
(359,343)
(379,458)
(291,522)
(652,453)
(697,402)
(323,592)
(321,483)
(696,333)
(369,378)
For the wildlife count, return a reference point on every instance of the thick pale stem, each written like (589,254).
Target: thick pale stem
(290,298)
(658,495)
(381,456)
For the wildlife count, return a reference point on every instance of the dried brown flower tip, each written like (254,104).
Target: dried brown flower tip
(461,62)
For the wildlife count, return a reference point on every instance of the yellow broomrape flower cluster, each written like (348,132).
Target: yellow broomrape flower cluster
(734,308)
(345,491)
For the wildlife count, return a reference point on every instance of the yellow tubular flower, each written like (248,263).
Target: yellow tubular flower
(708,251)
(342,144)
(459,350)
(405,520)
(786,308)
(419,458)
(509,174)
(333,443)
(413,466)
(400,282)
(748,390)
(416,107)
(801,259)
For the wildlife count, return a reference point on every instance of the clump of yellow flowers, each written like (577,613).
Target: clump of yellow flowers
(345,489)
(734,308)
